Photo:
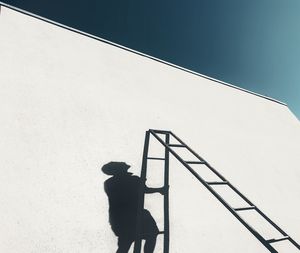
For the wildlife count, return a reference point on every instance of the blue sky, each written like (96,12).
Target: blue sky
(251,44)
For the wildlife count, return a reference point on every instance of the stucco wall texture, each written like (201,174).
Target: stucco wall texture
(69,104)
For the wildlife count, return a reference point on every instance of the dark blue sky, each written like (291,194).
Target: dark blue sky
(251,44)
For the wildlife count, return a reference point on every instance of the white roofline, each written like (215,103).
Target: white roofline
(134,51)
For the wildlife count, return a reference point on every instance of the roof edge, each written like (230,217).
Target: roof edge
(135,52)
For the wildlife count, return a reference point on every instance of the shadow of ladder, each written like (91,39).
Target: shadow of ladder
(170,148)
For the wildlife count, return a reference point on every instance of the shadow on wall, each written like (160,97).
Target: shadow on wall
(122,190)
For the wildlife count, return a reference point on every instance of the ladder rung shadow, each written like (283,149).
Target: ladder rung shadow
(244,208)
(195,162)
(278,239)
(217,183)
(161,190)
(177,145)
(155,158)
(160,131)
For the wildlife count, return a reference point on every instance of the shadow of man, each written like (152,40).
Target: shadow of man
(122,190)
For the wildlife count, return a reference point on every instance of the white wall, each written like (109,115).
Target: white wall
(69,104)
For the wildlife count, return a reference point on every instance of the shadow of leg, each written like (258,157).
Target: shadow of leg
(124,244)
(150,244)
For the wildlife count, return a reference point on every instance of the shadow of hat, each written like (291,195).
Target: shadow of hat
(113,168)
